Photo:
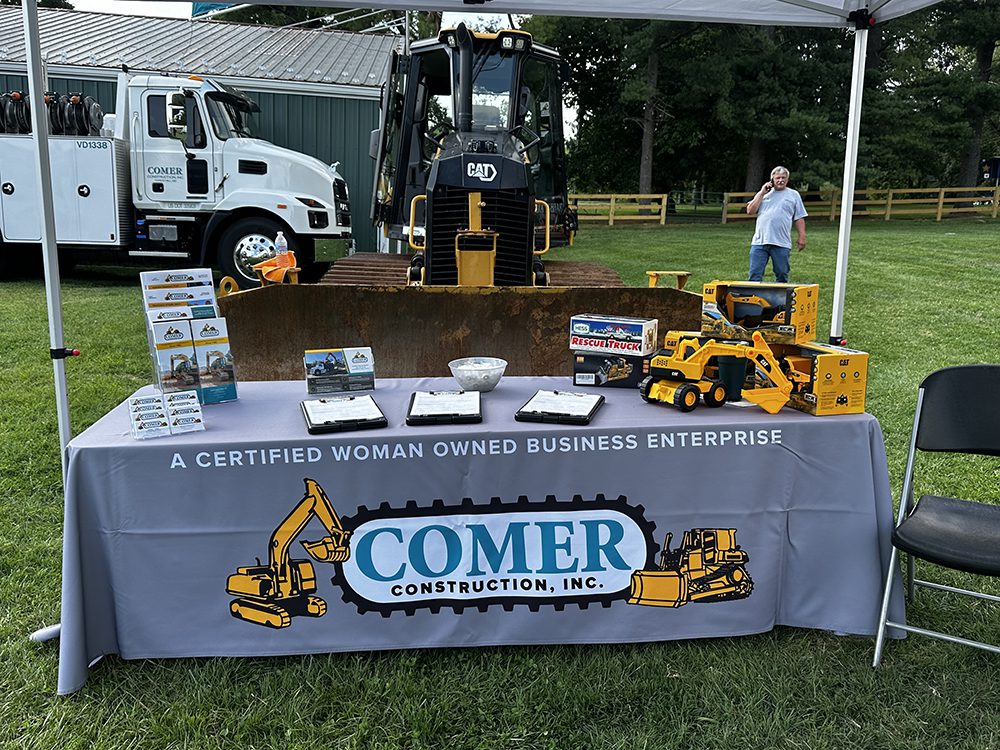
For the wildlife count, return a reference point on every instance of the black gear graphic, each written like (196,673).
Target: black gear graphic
(496,505)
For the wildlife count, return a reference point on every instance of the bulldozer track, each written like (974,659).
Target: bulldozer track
(381,269)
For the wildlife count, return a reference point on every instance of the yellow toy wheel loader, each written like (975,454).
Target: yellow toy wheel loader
(284,588)
(708,567)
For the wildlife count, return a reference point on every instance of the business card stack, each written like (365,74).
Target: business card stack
(161,414)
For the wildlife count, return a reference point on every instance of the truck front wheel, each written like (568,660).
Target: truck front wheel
(246,242)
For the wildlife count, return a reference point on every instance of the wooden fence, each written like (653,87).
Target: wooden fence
(885,204)
(628,207)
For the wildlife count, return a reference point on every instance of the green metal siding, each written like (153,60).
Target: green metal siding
(331,129)
(102,91)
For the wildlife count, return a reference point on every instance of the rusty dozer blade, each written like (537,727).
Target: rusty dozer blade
(769,399)
(415,332)
(658,588)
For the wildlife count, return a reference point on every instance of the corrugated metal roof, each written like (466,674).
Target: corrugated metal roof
(104,40)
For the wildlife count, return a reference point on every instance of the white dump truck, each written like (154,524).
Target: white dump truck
(174,173)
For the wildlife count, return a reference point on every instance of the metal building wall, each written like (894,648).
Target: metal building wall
(331,129)
(102,91)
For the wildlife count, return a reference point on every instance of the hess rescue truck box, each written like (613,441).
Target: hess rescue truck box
(783,313)
(338,370)
(173,356)
(216,373)
(607,369)
(825,379)
(607,333)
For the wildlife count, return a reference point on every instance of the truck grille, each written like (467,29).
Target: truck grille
(507,212)
(343,202)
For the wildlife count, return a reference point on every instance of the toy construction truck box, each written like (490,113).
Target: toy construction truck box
(783,313)
(606,333)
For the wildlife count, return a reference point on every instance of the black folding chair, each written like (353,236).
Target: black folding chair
(958,411)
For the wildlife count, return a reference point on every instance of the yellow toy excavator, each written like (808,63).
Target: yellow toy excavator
(750,310)
(284,588)
(708,567)
(679,378)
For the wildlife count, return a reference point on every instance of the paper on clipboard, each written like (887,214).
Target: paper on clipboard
(341,409)
(568,403)
(442,403)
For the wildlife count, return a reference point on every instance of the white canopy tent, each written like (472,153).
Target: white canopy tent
(822,13)
(855,14)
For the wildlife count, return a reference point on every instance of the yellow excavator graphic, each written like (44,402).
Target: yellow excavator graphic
(284,588)
(708,567)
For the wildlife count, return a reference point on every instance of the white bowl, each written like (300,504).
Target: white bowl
(478,373)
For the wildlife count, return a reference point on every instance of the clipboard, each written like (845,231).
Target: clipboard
(560,407)
(444,407)
(342,413)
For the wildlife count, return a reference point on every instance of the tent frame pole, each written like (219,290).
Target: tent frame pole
(847,196)
(50,255)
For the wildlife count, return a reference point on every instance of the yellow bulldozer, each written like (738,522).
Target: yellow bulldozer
(470,181)
(708,567)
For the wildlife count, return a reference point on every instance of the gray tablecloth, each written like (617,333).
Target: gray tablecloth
(464,535)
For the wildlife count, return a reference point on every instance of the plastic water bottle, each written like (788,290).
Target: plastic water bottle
(281,250)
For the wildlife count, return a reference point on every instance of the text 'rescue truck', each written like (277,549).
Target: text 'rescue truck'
(176,174)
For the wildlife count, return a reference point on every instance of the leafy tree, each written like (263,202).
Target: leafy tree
(662,105)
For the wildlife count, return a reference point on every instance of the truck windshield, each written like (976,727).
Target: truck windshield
(228,120)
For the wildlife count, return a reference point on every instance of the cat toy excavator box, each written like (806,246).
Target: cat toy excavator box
(783,313)
(838,377)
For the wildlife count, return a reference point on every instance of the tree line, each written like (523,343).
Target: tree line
(668,105)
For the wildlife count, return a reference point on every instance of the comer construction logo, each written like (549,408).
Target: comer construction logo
(470,555)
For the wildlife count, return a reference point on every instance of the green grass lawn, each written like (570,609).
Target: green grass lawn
(920,296)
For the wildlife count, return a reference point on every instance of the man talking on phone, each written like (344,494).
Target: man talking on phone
(778,208)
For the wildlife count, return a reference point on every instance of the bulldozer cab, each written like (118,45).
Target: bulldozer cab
(708,547)
(493,100)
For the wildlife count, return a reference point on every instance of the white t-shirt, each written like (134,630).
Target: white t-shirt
(775,216)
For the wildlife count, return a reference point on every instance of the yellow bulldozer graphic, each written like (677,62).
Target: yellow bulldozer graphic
(708,567)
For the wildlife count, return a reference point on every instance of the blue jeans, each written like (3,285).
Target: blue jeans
(779,262)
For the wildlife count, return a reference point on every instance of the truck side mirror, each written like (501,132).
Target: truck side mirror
(373,144)
(177,116)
